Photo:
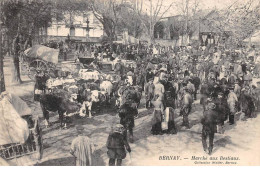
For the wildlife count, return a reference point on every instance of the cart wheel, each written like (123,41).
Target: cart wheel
(36,66)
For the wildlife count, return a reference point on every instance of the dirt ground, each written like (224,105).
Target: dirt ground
(240,140)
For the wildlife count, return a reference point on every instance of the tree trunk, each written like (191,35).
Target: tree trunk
(16,67)
(2,79)
(16,71)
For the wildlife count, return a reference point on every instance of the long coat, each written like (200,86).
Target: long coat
(116,145)
(149,91)
(82,149)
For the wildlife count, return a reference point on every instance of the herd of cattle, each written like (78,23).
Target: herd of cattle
(91,89)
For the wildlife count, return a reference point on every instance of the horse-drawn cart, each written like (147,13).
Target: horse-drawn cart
(39,58)
(21,135)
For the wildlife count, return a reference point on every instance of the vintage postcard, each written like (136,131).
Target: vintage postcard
(129,83)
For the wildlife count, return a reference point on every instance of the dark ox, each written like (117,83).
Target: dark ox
(60,104)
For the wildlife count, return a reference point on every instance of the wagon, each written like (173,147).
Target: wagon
(23,124)
(39,58)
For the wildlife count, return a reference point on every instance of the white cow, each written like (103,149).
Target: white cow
(51,83)
(94,96)
(88,75)
(106,86)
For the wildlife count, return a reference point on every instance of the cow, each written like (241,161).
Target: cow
(88,98)
(52,83)
(107,86)
(60,103)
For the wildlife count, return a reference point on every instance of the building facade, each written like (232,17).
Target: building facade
(76,28)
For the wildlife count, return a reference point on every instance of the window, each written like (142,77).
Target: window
(72,31)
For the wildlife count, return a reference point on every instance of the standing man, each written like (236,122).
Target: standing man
(119,67)
(191,86)
(82,148)
(232,101)
(127,113)
(149,92)
(116,145)
(186,107)
(149,74)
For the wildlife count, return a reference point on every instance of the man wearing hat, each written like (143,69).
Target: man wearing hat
(149,74)
(82,148)
(116,145)
(149,92)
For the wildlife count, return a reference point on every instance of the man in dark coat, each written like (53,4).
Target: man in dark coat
(196,82)
(127,112)
(244,67)
(119,68)
(170,94)
(149,74)
(116,145)
(222,109)
(149,92)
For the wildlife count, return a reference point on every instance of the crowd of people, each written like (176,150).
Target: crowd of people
(172,78)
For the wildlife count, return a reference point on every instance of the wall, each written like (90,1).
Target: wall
(61,29)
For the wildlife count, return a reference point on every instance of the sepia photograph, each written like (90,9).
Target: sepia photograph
(130,83)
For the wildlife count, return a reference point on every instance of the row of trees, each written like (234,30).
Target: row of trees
(22,21)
